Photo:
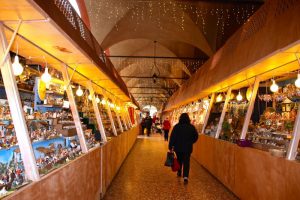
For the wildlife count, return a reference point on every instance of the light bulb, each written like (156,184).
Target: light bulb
(90,97)
(46,77)
(297,82)
(17,67)
(111,105)
(274,87)
(118,108)
(97,99)
(103,102)
(219,98)
(239,97)
(79,91)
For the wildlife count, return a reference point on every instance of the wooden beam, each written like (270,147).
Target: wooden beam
(211,103)
(219,129)
(97,113)
(74,110)
(17,112)
(250,108)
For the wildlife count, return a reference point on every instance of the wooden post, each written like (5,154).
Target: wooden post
(74,110)
(97,113)
(211,103)
(293,146)
(219,129)
(250,108)
(16,111)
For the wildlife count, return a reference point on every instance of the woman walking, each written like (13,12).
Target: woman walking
(183,136)
(166,128)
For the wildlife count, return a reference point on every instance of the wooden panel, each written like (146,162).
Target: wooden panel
(69,182)
(248,172)
(81,178)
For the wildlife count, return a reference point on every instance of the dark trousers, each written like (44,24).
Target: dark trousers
(148,131)
(184,159)
(166,132)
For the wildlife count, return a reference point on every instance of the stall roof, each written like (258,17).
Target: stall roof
(51,34)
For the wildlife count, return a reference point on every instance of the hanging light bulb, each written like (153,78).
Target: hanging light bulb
(97,99)
(90,97)
(118,108)
(274,87)
(17,67)
(297,82)
(46,77)
(219,98)
(103,102)
(239,97)
(112,105)
(79,91)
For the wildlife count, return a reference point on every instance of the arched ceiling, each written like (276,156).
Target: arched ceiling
(187,32)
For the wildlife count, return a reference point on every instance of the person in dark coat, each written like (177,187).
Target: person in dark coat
(148,124)
(183,136)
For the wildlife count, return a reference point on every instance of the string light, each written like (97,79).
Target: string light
(239,97)
(79,91)
(97,99)
(17,67)
(90,97)
(219,98)
(103,102)
(274,87)
(46,77)
(297,82)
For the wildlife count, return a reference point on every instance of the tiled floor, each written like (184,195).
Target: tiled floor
(144,176)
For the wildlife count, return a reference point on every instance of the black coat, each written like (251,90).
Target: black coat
(183,137)
(148,122)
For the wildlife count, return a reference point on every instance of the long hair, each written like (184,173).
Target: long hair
(184,119)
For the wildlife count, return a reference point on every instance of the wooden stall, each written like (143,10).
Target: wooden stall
(87,177)
(249,173)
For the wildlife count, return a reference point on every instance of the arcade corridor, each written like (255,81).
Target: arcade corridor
(143,176)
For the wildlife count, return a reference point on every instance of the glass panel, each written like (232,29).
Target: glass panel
(114,116)
(88,117)
(51,125)
(273,117)
(197,112)
(105,118)
(235,115)
(215,114)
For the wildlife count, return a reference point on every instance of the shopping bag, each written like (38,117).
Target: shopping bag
(170,159)
(175,166)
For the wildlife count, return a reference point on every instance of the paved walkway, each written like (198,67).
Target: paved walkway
(144,176)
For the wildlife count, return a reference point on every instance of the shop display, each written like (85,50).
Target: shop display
(114,117)
(86,109)
(105,119)
(214,116)
(275,125)
(234,117)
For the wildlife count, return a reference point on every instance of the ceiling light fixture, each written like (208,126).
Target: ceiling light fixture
(239,97)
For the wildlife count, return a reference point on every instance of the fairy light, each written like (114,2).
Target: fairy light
(274,87)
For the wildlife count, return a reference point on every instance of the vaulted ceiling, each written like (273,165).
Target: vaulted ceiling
(169,39)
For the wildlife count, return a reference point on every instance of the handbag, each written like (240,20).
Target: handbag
(175,166)
(170,159)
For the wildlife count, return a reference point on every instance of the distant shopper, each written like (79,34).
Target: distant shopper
(166,128)
(143,125)
(183,136)
(148,124)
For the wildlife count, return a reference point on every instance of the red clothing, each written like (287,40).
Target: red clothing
(166,124)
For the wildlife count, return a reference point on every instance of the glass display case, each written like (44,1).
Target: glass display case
(235,115)
(273,130)
(114,117)
(197,112)
(214,115)
(105,118)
